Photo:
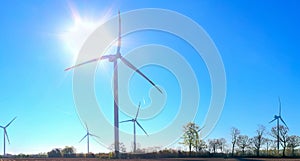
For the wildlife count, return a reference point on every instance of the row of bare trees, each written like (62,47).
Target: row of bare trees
(263,141)
(244,142)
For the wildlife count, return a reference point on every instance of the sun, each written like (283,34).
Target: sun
(76,34)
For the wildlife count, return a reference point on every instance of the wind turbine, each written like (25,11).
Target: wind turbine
(278,118)
(88,134)
(134,120)
(114,58)
(198,138)
(5,134)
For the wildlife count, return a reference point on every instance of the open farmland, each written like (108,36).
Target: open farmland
(165,159)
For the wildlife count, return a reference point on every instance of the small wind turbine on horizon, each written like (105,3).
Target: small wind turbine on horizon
(114,58)
(88,134)
(6,135)
(134,120)
(278,118)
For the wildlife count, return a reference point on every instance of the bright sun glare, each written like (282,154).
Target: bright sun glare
(74,36)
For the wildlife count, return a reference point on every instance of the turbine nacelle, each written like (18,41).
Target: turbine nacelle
(113,58)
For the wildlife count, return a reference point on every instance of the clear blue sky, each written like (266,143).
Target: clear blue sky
(257,40)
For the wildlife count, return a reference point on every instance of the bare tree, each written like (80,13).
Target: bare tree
(243,142)
(122,147)
(283,135)
(201,145)
(216,144)
(213,145)
(234,135)
(190,136)
(258,140)
(268,142)
(222,143)
(273,147)
(293,142)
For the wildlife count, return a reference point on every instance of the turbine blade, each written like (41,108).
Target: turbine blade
(272,120)
(142,128)
(119,38)
(10,122)
(283,122)
(126,121)
(137,113)
(201,129)
(98,142)
(90,61)
(125,61)
(6,136)
(279,106)
(95,136)
(83,137)
(87,128)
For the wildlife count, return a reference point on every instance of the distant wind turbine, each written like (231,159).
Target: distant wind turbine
(5,134)
(88,134)
(134,120)
(198,133)
(114,58)
(278,118)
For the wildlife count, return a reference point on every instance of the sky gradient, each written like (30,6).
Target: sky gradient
(257,40)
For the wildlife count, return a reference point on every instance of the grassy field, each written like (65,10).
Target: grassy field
(165,159)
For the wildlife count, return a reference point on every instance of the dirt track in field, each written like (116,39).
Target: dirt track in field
(165,159)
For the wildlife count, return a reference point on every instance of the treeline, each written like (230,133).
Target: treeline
(263,144)
(70,152)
